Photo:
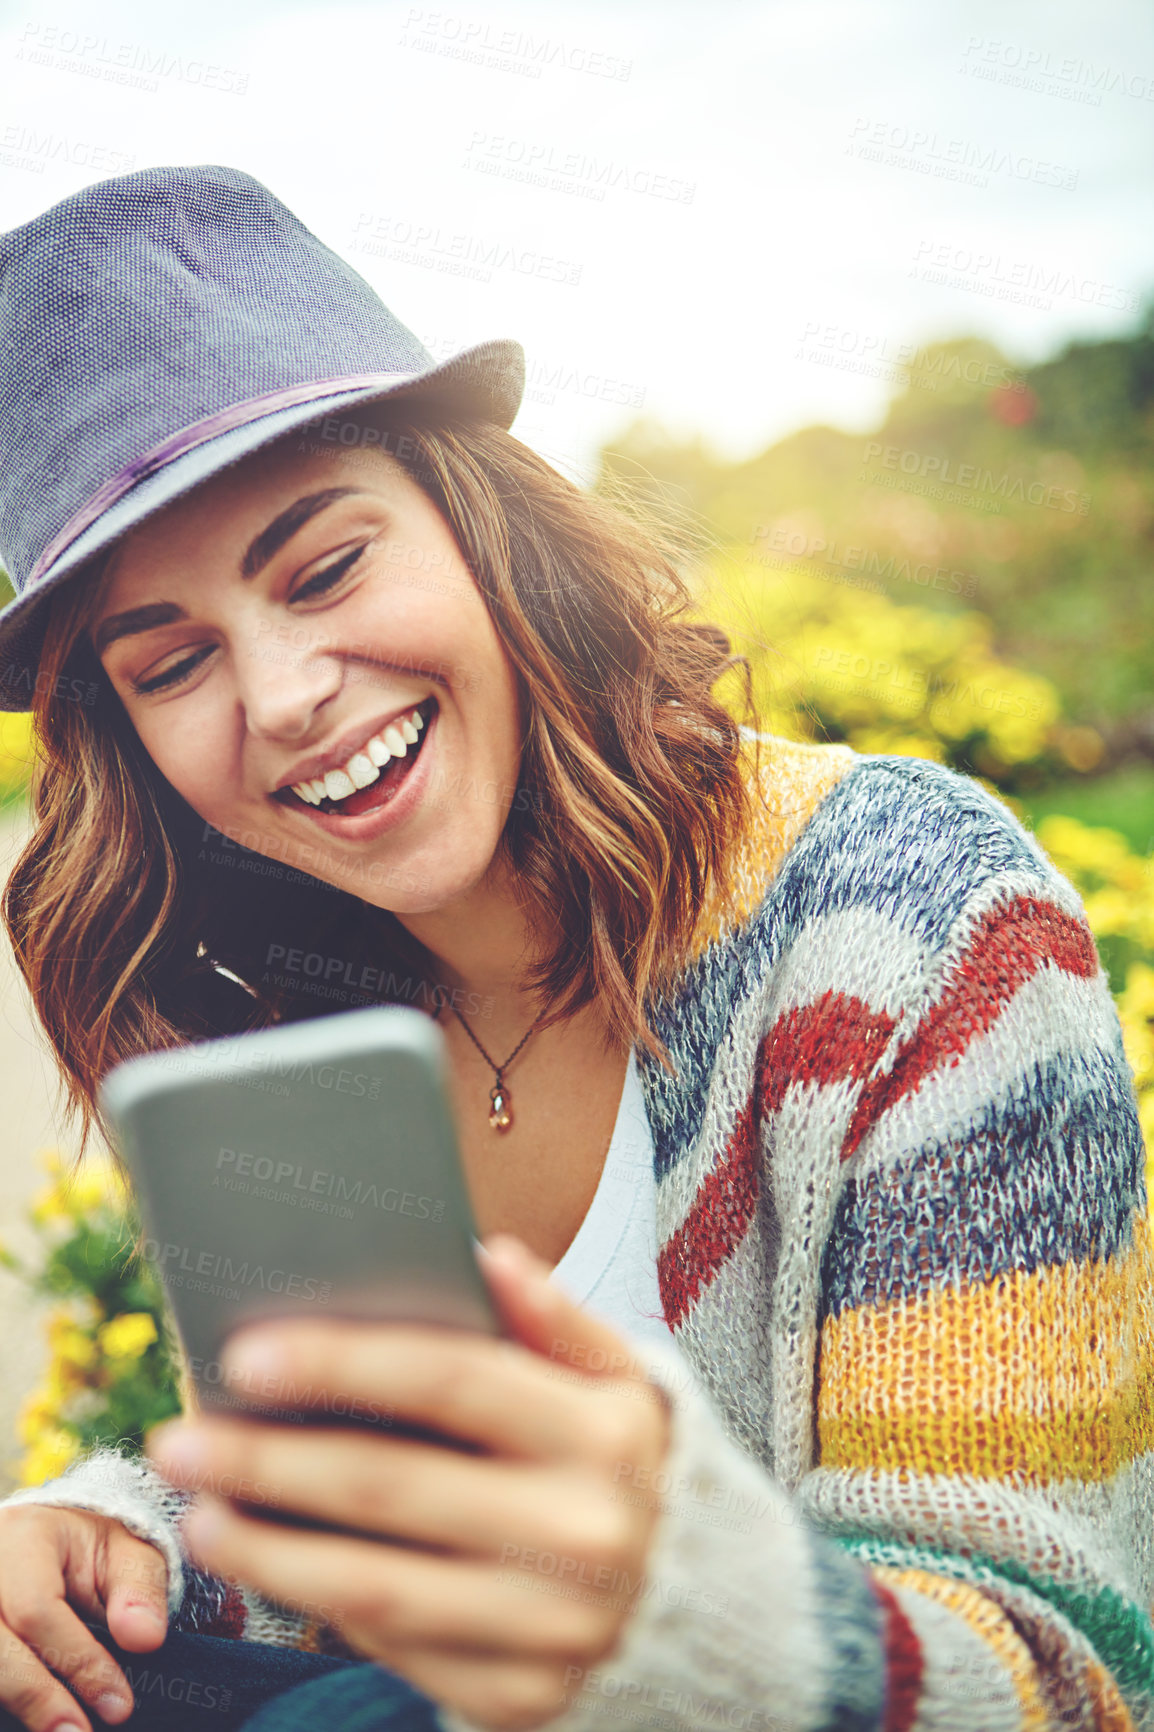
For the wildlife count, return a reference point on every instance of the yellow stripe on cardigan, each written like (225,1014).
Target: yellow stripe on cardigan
(1044,1376)
(987,1620)
(795,778)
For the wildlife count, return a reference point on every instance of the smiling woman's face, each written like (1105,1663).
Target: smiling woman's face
(262,630)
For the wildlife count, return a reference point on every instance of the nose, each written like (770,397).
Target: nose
(282,684)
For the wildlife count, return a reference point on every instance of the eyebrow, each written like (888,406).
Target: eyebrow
(257,555)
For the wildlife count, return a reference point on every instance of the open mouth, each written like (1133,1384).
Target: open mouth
(389,781)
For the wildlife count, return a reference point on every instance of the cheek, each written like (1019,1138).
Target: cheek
(440,625)
(188,758)
(395,623)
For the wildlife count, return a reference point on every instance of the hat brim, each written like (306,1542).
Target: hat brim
(485,382)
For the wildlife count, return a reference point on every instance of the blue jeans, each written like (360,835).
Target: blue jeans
(213,1684)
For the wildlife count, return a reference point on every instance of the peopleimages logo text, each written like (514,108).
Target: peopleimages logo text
(174,1261)
(972,478)
(293,1176)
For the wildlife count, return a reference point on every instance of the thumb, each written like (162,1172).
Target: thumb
(544,1319)
(135,1592)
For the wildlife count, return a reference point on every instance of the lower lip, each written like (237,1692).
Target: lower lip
(367,826)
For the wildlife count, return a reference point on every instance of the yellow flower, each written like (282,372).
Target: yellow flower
(1139,991)
(76,1192)
(37,1414)
(1081,848)
(64,1378)
(48,1206)
(1109,912)
(48,1456)
(1136,1012)
(1117,886)
(98,1185)
(127,1336)
(877,668)
(70,1344)
(898,743)
(16,748)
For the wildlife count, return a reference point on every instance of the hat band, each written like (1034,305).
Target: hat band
(252,409)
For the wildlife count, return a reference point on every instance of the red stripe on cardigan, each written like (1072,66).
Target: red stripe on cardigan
(229,1621)
(1008,946)
(716,1224)
(837,1036)
(903,1661)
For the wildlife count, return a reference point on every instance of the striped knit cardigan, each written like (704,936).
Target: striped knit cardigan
(903,1243)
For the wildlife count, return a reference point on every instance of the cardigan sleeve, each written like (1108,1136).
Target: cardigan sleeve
(959,1528)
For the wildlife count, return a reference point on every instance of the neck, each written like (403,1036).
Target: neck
(480,950)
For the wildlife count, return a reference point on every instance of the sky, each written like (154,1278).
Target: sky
(735,219)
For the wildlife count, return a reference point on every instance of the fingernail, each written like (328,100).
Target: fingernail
(203,1526)
(515,1251)
(66,1726)
(254,1355)
(113,1706)
(142,1609)
(179,1447)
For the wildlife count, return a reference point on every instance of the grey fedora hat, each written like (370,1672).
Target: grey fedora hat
(157,327)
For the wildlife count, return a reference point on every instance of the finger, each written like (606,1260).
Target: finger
(30,1692)
(392,1486)
(545,1319)
(470,1386)
(52,1639)
(408,1595)
(133,1581)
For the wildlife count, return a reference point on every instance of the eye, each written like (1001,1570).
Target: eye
(171,675)
(330,576)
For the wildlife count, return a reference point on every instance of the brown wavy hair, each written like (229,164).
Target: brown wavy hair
(138,927)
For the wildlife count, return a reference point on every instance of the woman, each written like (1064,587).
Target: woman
(813,1195)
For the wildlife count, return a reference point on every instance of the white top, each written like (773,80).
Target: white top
(610,1267)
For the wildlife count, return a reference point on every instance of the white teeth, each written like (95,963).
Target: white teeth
(362,770)
(364,766)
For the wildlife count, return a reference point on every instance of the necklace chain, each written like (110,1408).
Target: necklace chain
(500,1098)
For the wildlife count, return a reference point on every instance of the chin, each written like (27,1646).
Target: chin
(460,869)
(431,899)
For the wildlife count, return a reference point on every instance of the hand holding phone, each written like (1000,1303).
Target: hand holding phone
(485,1577)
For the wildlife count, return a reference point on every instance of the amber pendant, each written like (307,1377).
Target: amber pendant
(501,1110)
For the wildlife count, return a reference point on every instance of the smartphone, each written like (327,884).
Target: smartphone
(310,1169)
